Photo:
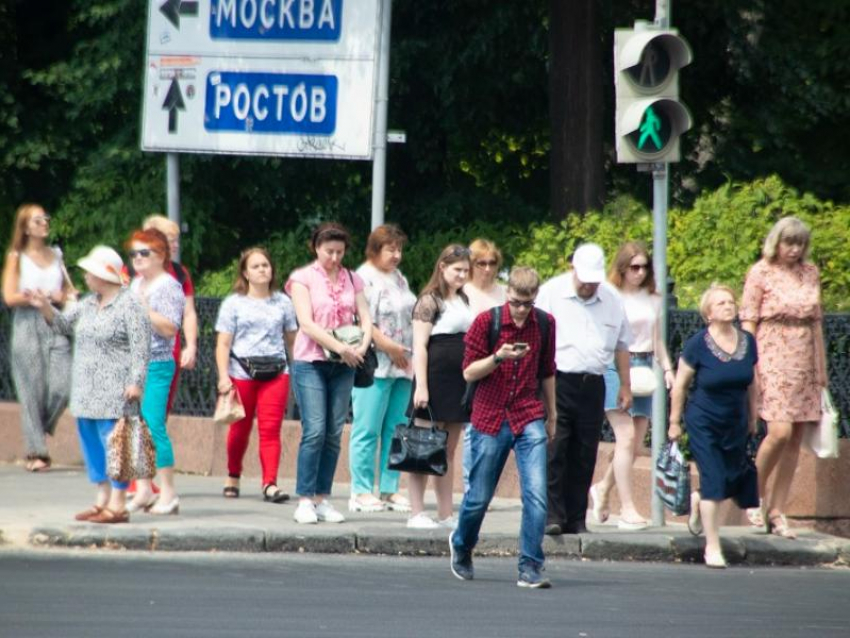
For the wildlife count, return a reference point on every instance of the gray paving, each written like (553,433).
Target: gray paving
(36,510)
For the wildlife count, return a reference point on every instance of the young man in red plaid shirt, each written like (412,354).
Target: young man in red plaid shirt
(508,413)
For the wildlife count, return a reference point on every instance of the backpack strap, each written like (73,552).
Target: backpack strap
(495,327)
(545,331)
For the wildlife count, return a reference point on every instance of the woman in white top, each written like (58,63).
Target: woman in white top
(484,292)
(441,318)
(631,273)
(41,358)
(482,289)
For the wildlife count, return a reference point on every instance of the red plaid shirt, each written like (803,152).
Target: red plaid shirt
(510,392)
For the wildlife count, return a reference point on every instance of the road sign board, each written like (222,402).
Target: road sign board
(261,77)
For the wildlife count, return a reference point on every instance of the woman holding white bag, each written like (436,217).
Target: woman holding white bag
(631,273)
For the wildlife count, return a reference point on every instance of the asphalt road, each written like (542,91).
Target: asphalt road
(92,594)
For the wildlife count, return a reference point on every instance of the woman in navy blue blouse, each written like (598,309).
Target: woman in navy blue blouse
(720,412)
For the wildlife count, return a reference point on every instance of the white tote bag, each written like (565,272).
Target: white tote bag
(822,439)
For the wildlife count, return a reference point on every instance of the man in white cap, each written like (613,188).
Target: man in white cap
(591,331)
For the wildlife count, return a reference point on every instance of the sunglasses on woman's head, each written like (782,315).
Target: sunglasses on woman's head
(143,252)
(460,251)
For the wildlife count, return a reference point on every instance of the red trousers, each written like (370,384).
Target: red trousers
(266,399)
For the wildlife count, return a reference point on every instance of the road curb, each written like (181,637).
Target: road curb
(632,547)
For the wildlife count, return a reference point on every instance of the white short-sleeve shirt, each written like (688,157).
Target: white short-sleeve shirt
(587,332)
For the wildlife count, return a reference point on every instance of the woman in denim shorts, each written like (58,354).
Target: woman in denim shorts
(631,273)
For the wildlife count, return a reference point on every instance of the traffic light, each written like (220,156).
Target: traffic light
(649,117)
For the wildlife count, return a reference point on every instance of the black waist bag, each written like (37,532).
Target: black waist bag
(261,368)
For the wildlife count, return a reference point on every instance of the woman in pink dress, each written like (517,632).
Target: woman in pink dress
(782,309)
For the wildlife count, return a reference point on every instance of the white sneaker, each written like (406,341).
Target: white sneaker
(449,523)
(422,521)
(305,513)
(326,513)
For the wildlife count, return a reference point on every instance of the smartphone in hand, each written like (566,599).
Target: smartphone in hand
(520,346)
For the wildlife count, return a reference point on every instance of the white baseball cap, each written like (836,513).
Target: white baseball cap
(104,263)
(589,263)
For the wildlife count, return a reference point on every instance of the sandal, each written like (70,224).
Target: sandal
(755,515)
(109,517)
(599,509)
(38,464)
(230,491)
(396,503)
(366,503)
(275,495)
(778,526)
(88,514)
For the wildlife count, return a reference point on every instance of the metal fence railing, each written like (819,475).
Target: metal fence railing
(196,394)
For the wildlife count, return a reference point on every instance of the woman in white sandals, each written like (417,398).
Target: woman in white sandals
(631,273)
(720,413)
(380,407)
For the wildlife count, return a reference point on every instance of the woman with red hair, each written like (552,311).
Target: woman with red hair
(164,300)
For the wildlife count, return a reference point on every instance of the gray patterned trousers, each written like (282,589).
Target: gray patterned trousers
(41,369)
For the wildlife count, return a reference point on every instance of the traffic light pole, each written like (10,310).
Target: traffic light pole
(660,196)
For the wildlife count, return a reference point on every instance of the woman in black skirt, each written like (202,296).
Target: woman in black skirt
(441,318)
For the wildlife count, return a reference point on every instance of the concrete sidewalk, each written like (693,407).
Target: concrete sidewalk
(37,510)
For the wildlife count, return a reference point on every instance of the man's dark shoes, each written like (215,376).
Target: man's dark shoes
(533,579)
(575,528)
(461,561)
(553,529)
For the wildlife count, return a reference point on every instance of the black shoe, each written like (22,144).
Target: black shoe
(553,529)
(576,528)
(273,494)
(461,562)
(533,579)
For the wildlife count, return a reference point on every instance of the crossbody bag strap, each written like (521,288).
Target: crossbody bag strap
(356,315)
(545,330)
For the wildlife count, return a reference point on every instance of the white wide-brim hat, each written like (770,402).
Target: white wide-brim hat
(104,263)
(589,264)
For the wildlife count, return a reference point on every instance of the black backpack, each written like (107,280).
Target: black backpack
(493,337)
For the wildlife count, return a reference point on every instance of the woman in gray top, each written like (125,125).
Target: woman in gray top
(111,333)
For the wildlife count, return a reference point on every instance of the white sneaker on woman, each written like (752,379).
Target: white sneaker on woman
(305,513)
(422,521)
(449,523)
(326,513)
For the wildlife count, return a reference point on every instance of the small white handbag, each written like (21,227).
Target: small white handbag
(643,381)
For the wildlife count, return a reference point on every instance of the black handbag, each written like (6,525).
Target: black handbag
(420,450)
(261,368)
(364,375)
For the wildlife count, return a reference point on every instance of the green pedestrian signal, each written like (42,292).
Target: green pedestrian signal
(649,116)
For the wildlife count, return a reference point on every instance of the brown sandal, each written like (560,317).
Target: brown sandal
(88,514)
(108,517)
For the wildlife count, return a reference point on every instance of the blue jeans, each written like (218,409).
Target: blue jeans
(94,436)
(323,391)
(489,454)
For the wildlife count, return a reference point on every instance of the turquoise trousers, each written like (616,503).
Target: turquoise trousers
(154,403)
(377,410)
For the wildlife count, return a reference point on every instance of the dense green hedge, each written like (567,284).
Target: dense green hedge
(715,240)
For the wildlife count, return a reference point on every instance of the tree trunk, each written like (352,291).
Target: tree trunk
(576,182)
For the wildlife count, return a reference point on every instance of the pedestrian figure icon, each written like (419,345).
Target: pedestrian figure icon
(649,129)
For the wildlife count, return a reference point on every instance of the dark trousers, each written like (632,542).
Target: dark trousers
(572,454)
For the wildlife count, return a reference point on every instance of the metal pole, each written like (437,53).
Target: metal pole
(379,160)
(660,191)
(172,185)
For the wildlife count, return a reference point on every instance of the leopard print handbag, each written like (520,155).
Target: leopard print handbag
(130,450)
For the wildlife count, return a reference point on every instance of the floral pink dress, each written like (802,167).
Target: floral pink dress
(784,303)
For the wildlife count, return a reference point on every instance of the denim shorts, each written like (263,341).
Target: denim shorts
(641,406)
